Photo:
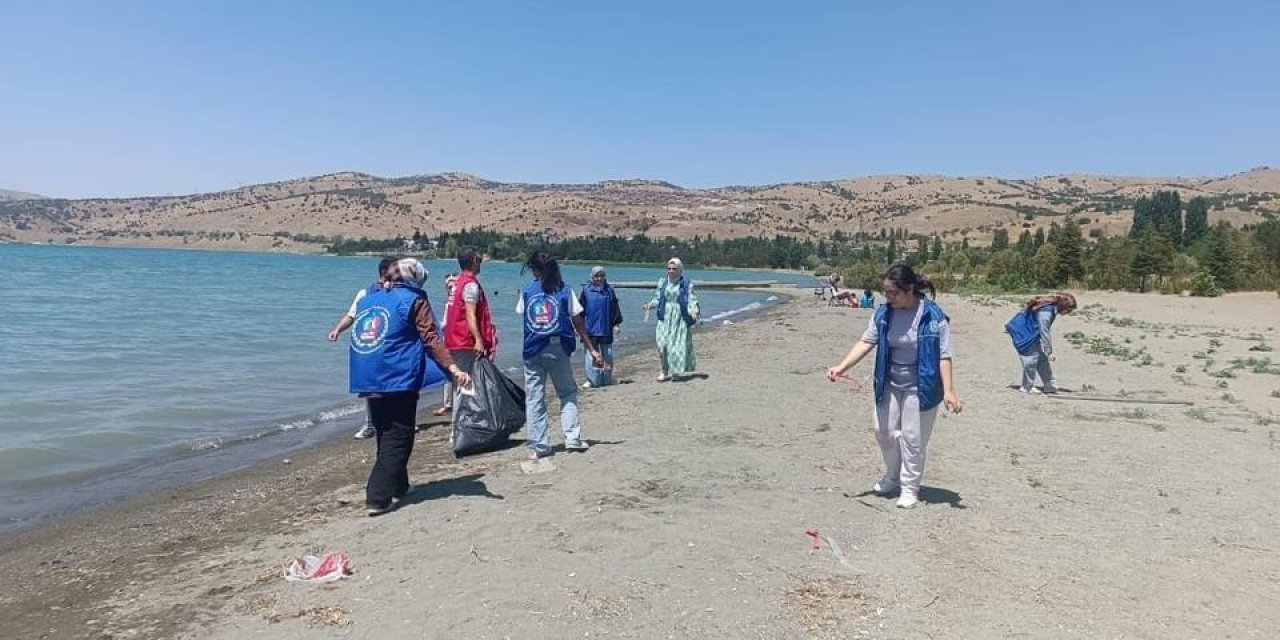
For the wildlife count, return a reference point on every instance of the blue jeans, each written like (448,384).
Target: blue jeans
(552,362)
(600,377)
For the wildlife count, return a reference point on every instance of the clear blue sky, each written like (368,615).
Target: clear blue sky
(140,98)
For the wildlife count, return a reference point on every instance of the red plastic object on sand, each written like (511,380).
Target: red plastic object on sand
(334,565)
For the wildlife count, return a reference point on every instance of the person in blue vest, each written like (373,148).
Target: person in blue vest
(1030,331)
(552,316)
(349,318)
(678,312)
(604,318)
(867,300)
(393,334)
(913,375)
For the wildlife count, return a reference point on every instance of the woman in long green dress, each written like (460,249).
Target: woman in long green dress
(677,308)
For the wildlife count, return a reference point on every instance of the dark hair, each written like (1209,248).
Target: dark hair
(544,267)
(866,292)
(385,264)
(467,258)
(904,276)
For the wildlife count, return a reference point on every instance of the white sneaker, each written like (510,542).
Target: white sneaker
(586,385)
(885,485)
(576,445)
(1032,391)
(908,500)
(366,431)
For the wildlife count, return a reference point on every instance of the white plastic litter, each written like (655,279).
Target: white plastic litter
(334,565)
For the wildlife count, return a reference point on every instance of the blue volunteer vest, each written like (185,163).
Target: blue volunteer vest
(598,309)
(546,316)
(386,352)
(682,299)
(928,354)
(1024,328)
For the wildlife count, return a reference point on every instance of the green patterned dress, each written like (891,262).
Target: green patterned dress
(674,337)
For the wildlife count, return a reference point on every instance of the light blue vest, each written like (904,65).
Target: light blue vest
(928,354)
(386,352)
(546,316)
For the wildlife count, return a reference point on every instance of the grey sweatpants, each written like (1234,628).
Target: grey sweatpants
(902,431)
(1034,363)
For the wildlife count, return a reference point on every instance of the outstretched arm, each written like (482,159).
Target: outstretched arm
(343,324)
(856,354)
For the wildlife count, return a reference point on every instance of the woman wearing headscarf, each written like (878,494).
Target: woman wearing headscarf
(677,310)
(1030,332)
(392,337)
(911,336)
(603,316)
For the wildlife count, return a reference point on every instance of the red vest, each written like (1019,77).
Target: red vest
(457,333)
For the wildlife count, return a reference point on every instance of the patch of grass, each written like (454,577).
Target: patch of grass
(1266,421)
(1200,355)
(1199,413)
(1121,321)
(1076,338)
(1105,346)
(1257,365)
(1260,347)
(1275,393)
(1229,399)
(1223,373)
(1222,384)
(1182,368)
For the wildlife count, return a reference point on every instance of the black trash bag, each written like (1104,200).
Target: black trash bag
(488,413)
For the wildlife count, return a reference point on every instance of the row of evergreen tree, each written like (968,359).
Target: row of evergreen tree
(1170,246)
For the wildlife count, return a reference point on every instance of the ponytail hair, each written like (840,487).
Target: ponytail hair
(544,267)
(904,277)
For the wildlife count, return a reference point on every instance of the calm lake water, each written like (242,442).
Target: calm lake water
(125,369)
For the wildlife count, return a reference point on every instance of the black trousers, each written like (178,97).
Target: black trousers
(393,416)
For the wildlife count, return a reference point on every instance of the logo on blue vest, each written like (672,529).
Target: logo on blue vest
(542,314)
(370,330)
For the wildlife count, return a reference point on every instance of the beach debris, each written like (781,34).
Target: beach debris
(334,565)
(816,539)
(286,461)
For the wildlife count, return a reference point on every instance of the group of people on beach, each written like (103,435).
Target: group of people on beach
(395,338)
(394,335)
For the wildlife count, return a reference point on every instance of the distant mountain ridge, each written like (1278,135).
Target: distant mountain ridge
(6,194)
(301,214)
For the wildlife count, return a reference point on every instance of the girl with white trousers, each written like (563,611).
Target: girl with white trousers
(913,375)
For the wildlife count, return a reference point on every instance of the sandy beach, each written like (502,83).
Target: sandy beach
(1043,517)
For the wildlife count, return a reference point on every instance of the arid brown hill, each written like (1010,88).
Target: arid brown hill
(292,215)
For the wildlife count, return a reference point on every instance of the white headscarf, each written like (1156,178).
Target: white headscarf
(412,272)
(675,262)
